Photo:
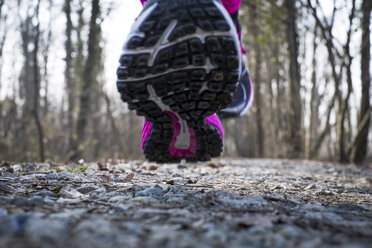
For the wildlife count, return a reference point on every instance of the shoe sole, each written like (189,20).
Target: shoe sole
(181,57)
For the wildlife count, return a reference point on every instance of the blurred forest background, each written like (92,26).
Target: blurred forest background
(309,61)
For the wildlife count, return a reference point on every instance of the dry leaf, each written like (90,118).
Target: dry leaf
(171,182)
(102,167)
(104,178)
(129,178)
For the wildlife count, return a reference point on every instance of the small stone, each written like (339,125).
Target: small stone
(45,192)
(17,167)
(51,176)
(133,228)
(66,175)
(68,200)
(9,174)
(87,189)
(19,201)
(118,199)
(155,190)
(30,167)
(48,200)
(182,166)
(176,200)
(310,186)
(69,214)
(122,207)
(36,201)
(291,231)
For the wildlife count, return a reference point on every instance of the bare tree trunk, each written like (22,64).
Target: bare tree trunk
(272,124)
(114,128)
(314,102)
(240,137)
(36,102)
(45,109)
(359,151)
(68,74)
(2,37)
(89,78)
(280,124)
(341,115)
(323,134)
(294,108)
(45,52)
(260,136)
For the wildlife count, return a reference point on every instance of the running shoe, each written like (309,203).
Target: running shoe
(242,98)
(180,65)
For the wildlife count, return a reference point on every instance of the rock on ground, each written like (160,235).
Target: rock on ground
(223,203)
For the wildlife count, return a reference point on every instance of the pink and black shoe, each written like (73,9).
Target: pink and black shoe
(180,65)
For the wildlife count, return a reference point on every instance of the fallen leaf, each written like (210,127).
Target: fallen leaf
(213,165)
(129,178)
(171,182)
(104,178)
(153,167)
(102,167)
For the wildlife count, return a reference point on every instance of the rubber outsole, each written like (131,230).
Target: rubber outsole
(156,149)
(184,57)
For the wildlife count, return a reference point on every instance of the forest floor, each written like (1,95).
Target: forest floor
(223,203)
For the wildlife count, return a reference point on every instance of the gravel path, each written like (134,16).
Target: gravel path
(224,203)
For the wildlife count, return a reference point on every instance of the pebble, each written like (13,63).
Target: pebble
(68,200)
(45,192)
(9,174)
(30,167)
(36,201)
(119,198)
(176,200)
(19,201)
(182,166)
(154,191)
(48,200)
(51,176)
(66,175)
(87,189)
(69,213)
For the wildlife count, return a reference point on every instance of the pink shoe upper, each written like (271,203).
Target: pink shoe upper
(191,151)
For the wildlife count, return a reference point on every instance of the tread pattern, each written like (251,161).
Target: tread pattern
(182,50)
(210,143)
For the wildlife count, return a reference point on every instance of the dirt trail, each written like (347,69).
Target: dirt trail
(224,203)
